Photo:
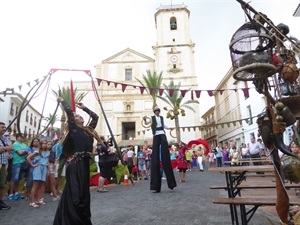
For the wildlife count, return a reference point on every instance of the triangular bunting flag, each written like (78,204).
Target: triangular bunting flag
(123,87)
(99,81)
(246,92)
(151,90)
(142,89)
(210,93)
(198,93)
(160,91)
(171,92)
(183,92)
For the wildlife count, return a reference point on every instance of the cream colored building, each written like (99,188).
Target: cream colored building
(29,118)
(227,108)
(209,130)
(173,55)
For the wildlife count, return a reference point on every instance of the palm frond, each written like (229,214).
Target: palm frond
(153,81)
(65,93)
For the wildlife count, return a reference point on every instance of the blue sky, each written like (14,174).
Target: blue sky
(39,35)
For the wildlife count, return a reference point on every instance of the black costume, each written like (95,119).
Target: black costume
(74,205)
(160,143)
(105,171)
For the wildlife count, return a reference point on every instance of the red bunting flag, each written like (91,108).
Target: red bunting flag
(72,96)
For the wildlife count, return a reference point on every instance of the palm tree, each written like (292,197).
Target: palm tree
(176,105)
(65,93)
(152,81)
(51,119)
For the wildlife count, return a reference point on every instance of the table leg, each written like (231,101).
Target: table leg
(230,190)
(243,214)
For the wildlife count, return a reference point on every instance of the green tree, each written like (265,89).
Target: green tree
(51,119)
(176,106)
(152,82)
(65,93)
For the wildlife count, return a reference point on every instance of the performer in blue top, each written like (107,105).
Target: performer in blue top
(160,140)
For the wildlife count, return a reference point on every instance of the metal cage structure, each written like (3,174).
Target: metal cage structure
(251,53)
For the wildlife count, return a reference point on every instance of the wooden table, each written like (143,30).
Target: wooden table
(234,176)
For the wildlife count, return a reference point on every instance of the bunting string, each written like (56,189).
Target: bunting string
(194,93)
(200,127)
(182,92)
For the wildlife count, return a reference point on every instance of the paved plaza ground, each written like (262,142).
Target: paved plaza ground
(189,203)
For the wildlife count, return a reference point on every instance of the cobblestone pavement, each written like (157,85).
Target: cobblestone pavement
(189,203)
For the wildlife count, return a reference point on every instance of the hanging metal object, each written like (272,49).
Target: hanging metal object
(291,168)
(251,53)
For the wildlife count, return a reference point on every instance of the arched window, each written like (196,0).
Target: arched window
(173,23)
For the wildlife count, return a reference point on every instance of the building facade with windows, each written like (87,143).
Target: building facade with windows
(228,109)
(173,56)
(29,117)
(237,112)
(209,131)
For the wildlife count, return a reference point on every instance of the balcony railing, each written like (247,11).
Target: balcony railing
(210,134)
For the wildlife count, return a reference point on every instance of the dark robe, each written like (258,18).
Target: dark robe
(74,204)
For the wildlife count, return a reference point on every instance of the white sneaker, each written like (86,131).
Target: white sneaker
(55,199)
(163,178)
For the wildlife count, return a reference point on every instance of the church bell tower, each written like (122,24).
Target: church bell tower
(174,56)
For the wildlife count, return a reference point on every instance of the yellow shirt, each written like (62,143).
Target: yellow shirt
(188,155)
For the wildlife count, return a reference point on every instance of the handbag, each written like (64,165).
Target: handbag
(25,166)
(108,160)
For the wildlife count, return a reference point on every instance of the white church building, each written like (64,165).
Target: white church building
(173,55)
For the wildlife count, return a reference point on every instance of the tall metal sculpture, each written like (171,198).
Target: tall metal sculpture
(263,53)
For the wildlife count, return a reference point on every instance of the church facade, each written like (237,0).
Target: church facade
(173,55)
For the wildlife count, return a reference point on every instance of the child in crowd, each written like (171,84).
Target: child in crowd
(34,146)
(211,158)
(52,170)
(39,161)
(234,157)
(194,161)
(135,171)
